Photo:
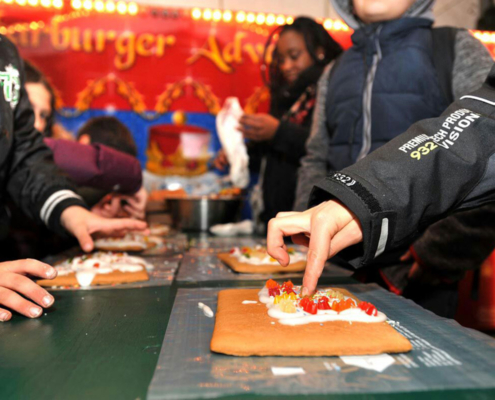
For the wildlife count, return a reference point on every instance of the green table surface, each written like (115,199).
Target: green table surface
(104,344)
(100,344)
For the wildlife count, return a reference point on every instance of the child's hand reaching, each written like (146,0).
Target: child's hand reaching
(16,289)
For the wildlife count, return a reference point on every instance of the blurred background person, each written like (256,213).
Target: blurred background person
(43,100)
(277,139)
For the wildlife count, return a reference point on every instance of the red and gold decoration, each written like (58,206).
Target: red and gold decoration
(164,72)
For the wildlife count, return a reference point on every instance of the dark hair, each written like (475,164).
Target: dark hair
(34,75)
(110,132)
(487,20)
(315,37)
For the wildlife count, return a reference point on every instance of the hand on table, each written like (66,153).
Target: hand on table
(82,224)
(16,288)
(325,229)
(258,127)
(109,207)
(136,204)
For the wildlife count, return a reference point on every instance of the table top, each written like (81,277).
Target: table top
(99,344)
(105,344)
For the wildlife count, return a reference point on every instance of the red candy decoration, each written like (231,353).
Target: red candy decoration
(273,292)
(342,305)
(308,305)
(270,284)
(368,308)
(288,284)
(232,251)
(324,303)
(287,287)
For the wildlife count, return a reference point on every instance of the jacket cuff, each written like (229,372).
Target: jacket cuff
(377,225)
(53,206)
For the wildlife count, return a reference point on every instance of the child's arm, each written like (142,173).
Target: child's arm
(97,166)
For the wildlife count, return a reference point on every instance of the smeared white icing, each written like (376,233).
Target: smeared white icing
(134,240)
(157,229)
(266,260)
(87,266)
(84,278)
(249,302)
(301,317)
(207,311)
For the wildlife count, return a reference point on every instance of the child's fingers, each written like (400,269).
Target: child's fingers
(5,315)
(12,300)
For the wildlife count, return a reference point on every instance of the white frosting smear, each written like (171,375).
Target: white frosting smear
(301,317)
(249,302)
(258,256)
(134,240)
(87,266)
(207,311)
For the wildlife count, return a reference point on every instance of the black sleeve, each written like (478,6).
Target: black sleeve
(439,165)
(458,243)
(33,181)
(290,139)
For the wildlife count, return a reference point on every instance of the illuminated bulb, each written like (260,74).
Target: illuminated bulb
(99,6)
(58,4)
(45,3)
(217,15)
(132,8)
(280,20)
(76,4)
(21,3)
(260,19)
(33,3)
(3,30)
(250,18)
(196,13)
(87,5)
(121,7)
(227,16)
(270,19)
(8,1)
(240,16)
(207,14)
(110,6)
(289,20)
(328,24)
(337,25)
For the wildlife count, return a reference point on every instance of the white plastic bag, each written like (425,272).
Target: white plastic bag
(233,141)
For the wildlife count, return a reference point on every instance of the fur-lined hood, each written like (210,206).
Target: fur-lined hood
(420,9)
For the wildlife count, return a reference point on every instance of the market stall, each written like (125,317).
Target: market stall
(136,318)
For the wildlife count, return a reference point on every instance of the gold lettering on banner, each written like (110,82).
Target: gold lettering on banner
(75,39)
(128,45)
(144,44)
(101,41)
(125,45)
(232,52)
(60,38)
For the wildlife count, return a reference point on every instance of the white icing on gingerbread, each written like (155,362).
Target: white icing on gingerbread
(259,256)
(301,317)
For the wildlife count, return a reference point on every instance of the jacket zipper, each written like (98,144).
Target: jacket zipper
(368,89)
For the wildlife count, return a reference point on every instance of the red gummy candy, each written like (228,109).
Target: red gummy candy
(368,308)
